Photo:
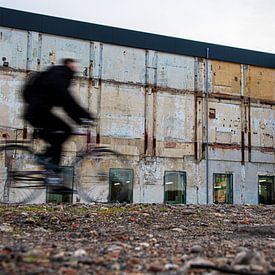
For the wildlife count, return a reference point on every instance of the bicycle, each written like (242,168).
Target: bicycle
(22,179)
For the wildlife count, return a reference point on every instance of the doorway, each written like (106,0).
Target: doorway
(175,187)
(223,188)
(121,185)
(267,189)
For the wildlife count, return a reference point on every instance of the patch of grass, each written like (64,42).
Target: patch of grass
(112,210)
(164,209)
(37,208)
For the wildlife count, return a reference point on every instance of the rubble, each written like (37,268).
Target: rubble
(136,239)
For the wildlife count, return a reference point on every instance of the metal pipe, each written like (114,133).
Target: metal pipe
(206,126)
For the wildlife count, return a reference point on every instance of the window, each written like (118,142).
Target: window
(174,187)
(223,188)
(53,196)
(267,189)
(121,185)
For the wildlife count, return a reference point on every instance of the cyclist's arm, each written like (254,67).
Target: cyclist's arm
(70,105)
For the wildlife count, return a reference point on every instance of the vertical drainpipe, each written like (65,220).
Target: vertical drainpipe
(206,126)
(99,94)
(146,91)
(28,68)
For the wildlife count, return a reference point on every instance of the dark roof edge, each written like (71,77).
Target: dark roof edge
(94,32)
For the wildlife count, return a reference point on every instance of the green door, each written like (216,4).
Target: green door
(175,187)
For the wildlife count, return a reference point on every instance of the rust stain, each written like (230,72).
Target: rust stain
(249,129)
(146,89)
(242,130)
(238,98)
(154,90)
(226,146)
(170,144)
(98,111)
(242,147)
(90,85)
(196,125)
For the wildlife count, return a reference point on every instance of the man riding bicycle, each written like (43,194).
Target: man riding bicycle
(41,93)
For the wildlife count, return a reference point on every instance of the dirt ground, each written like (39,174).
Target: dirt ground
(137,239)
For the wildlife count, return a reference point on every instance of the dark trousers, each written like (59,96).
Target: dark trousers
(53,130)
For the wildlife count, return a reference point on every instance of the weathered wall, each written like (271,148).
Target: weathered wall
(151,107)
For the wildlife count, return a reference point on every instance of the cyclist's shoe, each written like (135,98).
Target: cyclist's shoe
(46,162)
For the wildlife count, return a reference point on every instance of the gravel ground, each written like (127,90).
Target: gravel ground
(137,239)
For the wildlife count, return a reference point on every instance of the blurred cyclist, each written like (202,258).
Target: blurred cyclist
(41,93)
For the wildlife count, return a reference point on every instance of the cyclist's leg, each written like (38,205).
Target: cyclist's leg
(55,132)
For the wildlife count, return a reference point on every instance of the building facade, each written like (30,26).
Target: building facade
(195,121)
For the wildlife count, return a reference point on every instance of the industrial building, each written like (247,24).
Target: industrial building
(195,121)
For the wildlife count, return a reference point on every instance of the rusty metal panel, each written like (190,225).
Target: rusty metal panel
(13,47)
(174,124)
(175,71)
(175,117)
(123,64)
(122,117)
(10,100)
(263,127)
(226,127)
(226,77)
(34,51)
(262,83)
(55,48)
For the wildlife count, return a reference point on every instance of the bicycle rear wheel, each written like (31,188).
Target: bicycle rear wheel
(92,173)
(21,179)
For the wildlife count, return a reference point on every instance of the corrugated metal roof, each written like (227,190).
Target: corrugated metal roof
(94,32)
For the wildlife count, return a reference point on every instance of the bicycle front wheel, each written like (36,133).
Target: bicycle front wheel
(21,179)
(92,173)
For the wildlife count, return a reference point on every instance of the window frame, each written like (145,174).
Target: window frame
(272,199)
(185,183)
(231,179)
(132,183)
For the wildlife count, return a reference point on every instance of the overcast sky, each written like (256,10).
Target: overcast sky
(246,24)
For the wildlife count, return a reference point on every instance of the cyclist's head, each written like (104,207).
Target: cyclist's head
(71,63)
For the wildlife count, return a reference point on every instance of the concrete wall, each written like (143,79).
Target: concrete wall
(151,107)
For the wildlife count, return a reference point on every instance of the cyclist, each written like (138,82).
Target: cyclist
(41,93)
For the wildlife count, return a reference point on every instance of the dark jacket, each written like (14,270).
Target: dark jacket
(49,89)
